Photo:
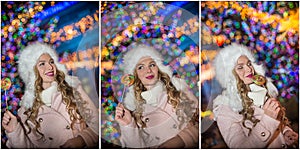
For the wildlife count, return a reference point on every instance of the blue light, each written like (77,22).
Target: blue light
(53,10)
(171,8)
(179,4)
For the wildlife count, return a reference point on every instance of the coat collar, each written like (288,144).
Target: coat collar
(152,96)
(257,94)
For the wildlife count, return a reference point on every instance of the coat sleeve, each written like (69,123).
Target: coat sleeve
(130,136)
(190,134)
(91,133)
(236,135)
(18,138)
(286,128)
(89,137)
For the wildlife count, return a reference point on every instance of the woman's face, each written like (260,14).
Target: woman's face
(147,72)
(244,69)
(46,68)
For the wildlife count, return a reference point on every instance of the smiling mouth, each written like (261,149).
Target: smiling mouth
(51,74)
(150,77)
(250,75)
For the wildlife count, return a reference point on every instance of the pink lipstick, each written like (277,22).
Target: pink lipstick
(250,75)
(150,77)
(51,74)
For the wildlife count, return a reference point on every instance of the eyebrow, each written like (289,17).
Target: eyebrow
(45,60)
(144,64)
(42,61)
(243,63)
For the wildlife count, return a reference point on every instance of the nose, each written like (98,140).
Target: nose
(248,69)
(149,70)
(49,66)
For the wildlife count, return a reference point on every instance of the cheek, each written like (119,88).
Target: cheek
(139,74)
(155,70)
(240,74)
(41,71)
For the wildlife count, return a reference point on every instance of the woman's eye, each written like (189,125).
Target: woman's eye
(152,65)
(140,67)
(52,62)
(41,64)
(239,67)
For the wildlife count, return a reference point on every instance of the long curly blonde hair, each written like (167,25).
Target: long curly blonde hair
(70,96)
(176,98)
(247,102)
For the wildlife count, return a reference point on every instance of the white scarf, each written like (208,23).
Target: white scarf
(151,96)
(46,95)
(257,94)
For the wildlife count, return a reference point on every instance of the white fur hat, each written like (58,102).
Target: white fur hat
(27,60)
(132,57)
(225,62)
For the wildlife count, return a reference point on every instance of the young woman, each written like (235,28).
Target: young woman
(158,108)
(247,112)
(55,111)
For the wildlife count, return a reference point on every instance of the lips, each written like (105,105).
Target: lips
(250,75)
(51,74)
(150,77)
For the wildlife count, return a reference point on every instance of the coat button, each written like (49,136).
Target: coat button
(283,145)
(68,127)
(263,134)
(50,138)
(147,119)
(157,138)
(40,119)
(174,126)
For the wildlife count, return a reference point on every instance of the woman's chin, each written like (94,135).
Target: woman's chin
(248,81)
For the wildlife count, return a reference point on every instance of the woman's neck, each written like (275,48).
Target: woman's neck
(46,85)
(149,87)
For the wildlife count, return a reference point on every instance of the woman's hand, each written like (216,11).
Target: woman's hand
(175,142)
(76,142)
(9,121)
(290,137)
(123,115)
(272,108)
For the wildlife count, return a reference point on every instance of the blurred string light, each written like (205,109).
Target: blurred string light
(88,59)
(125,24)
(269,29)
(73,30)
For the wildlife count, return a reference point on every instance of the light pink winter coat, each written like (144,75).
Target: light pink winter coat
(162,123)
(236,135)
(56,126)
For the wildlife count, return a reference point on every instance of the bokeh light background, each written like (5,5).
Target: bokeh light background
(271,31)
(170,27)
(72,28)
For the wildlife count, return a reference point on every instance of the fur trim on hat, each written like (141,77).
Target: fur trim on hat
(224,63)
(27,61)
(132,57)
